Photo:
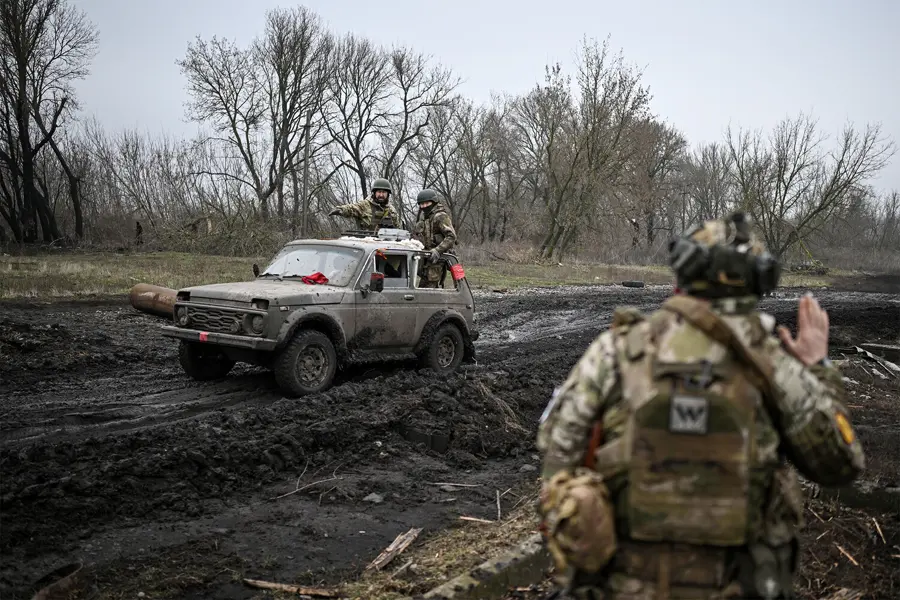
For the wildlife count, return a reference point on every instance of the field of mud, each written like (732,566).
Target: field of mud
(111,456)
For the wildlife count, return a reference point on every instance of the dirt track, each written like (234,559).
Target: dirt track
(110,454)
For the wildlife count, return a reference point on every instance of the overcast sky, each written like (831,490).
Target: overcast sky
(708,62)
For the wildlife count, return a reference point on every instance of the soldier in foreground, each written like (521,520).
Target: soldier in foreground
(372,212)
(435,230)
(665,470)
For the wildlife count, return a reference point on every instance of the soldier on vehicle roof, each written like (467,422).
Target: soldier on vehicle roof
(373,212)
(667,452)
(435,230)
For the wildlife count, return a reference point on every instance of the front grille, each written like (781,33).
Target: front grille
(213,319)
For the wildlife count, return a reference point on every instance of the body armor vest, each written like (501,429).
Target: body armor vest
(686,462)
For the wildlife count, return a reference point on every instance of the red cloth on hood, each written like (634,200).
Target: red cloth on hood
(314,279)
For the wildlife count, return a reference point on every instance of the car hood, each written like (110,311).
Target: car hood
(289,291)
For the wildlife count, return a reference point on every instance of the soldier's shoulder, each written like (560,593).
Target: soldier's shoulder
(444,218)
(626,316)
(630,317)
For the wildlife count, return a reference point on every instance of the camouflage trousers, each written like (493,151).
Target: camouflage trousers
(430,275)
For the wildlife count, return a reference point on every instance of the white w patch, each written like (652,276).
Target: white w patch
(688,414)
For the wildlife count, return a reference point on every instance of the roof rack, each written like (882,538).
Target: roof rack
(385,234)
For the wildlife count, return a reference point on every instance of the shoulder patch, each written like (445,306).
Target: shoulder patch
(844,428)
(626,315)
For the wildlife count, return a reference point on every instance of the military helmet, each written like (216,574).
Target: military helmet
(382,184)
(427,195)
(723,257)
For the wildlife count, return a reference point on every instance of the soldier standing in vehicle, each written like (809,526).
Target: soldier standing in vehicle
(665,452)
(372,212)
(435,230)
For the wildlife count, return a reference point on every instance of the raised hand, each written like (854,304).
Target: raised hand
(811,344)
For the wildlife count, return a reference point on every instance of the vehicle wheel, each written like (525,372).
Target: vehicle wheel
(306,365)
(203,363)
(445,352)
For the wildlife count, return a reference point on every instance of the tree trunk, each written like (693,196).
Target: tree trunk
(74,189)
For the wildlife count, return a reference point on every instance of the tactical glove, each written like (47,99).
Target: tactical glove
(435,256)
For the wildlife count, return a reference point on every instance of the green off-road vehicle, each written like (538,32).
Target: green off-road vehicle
(323,305)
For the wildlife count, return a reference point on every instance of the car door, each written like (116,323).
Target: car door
(446,295)
(386,319)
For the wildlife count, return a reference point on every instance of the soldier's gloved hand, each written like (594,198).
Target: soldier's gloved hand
(335,213)
(811,344)
(435,256)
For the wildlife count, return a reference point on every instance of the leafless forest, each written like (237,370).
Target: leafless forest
(302,118)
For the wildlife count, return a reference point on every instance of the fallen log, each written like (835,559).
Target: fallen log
(291,589)
(153,299)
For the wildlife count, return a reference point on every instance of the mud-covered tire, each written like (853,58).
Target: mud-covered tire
(445,352)
(202,362)
(306,365)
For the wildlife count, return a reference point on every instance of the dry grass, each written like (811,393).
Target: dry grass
(69,275)
(84,275)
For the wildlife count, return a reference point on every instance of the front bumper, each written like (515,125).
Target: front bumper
(218,339)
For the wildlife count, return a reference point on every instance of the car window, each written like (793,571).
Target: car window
(336,263)
(447,283)
(395,266)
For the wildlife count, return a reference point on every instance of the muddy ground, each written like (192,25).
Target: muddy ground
(111,456)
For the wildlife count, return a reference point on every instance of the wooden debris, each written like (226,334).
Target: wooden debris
(291,589)
(305,487)
(455,484)
(475,520)
(498,505)
(400,543)
(847,554)
(402,569)
(878,527)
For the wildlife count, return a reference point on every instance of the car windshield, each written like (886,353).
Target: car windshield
(336,263)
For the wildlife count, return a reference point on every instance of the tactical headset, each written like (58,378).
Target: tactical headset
(723,269)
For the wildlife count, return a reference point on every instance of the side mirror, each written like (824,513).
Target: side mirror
(376,282)
(255,270)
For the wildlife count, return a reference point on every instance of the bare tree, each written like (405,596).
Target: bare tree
(707,183)
(295,57)
(791,185)
(652,176)
(257,98)
(357,105)
(419,89)
(583,143)
(45,45)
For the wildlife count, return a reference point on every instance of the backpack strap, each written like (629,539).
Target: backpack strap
(700,316)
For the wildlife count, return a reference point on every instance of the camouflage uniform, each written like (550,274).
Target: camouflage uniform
(435,231)
(369,215)
(690,445)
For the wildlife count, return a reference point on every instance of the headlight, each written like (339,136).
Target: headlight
(256,323)
(181,314)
